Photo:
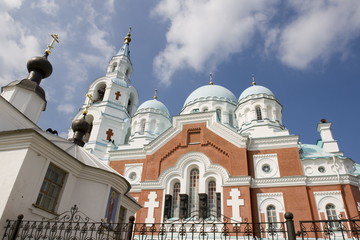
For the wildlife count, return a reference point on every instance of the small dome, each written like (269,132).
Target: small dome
(80,125)
(154,104)
(41,65)
(211,92)
(255,89)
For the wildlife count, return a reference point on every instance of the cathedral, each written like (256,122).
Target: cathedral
(223,155)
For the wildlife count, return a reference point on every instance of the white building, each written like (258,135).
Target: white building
(43,175)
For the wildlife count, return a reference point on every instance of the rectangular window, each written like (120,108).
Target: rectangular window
(50,188)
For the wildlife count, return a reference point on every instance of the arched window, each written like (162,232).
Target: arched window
(258,113)
(331,215)
(175,200)
(212,198)
(114,67)
(100,92)
(129,106)
(194,191)
(142,126)
(271,214)
(218,114)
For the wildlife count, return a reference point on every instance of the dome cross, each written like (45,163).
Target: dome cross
(55,39)
(253,79)
(155,94)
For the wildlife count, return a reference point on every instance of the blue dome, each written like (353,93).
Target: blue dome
(255,89)
(211,92)
(154,104)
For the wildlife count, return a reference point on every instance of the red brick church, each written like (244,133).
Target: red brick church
(222,155)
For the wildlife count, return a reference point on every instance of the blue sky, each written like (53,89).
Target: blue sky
(307,52)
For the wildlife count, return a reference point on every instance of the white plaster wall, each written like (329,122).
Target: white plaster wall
(332,166)
(91,198)
(11,162)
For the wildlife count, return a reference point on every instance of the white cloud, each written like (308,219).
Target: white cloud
(6,5)
(320,30)
(109,5)
(15,43)
(48,7)
(97,39)
(66,108)
(204,33)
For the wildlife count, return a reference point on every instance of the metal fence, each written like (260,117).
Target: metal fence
(74,225)
(71,225)
(330,229)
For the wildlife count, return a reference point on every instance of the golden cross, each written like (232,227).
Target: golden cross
(211,79)
(253,80)
(155,95)
(89,97)
(55,39)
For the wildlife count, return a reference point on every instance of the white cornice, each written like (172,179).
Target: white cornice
(279,182)
(236,181)
(273,142)
(261,156)
(333,180)
(127,154)
(269,195)
(327,193)
(305,181)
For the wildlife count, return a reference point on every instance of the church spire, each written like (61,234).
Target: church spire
(125,49)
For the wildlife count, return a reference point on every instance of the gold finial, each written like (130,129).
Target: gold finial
(89,97)
(127,39)
(211,79)
(55,39)
(155,95)
(253,80)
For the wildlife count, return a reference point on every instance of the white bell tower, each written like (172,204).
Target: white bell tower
(111,102)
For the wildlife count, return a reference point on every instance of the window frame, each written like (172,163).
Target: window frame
(44,194)
(258,113)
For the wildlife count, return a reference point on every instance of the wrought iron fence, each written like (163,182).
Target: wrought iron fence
(211,228)
(71,225)
(74,225)
(330,229)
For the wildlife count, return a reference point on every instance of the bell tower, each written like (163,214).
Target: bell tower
(111,102)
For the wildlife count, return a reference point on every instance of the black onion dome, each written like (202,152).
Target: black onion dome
(41,65)
(80,125)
